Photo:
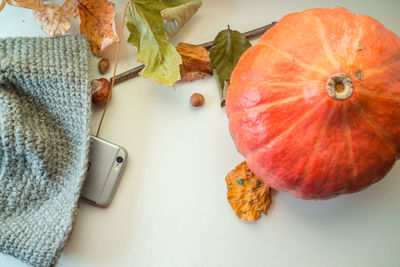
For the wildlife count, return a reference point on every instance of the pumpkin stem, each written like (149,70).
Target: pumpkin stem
(340,86)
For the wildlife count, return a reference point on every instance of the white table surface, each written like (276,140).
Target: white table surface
(171,209)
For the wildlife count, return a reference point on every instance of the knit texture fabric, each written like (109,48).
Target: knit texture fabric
(44,139)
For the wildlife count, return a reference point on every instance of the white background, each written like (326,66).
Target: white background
(171,208)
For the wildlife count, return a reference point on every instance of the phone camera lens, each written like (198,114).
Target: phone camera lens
(120,159)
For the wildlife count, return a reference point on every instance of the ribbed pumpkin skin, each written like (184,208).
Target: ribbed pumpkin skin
(296,137)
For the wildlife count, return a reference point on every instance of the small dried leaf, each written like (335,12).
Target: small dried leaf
(196,63)
(97,23)
(194,57)
(188,75)
(247,194)
(51,21)
(30,4)
(70,8)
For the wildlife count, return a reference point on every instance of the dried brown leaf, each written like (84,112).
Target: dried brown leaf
(188,75)
(70,8)
(196,63)
(2,4)
(97,23)
(52,21)
(30,4)
(247,194)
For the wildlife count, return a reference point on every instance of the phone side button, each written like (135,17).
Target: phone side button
(89,201)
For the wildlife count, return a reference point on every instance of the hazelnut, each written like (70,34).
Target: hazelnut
(103,65)
(197,100)
(100,90)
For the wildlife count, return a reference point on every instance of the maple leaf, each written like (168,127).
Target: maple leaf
(30,4)
(247,194)
(97,23)
(51,21)
(147,33)
(227,48)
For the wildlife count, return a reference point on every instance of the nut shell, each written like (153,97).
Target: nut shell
(100,90)
(103,65)
(197,100)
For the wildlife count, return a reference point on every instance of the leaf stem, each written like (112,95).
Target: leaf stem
(132,73)
(115,68)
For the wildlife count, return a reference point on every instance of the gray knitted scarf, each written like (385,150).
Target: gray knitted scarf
(44,139)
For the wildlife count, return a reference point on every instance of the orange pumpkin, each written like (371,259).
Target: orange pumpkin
(315,106)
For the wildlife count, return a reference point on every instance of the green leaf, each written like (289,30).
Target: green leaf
(227,48)
(147,33)
(175,17)
(222,86)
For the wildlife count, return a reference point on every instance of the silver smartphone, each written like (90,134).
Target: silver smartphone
(106,163)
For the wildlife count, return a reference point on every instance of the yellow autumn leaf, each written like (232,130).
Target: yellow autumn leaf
(247,194)
(52,21)
(97,23)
